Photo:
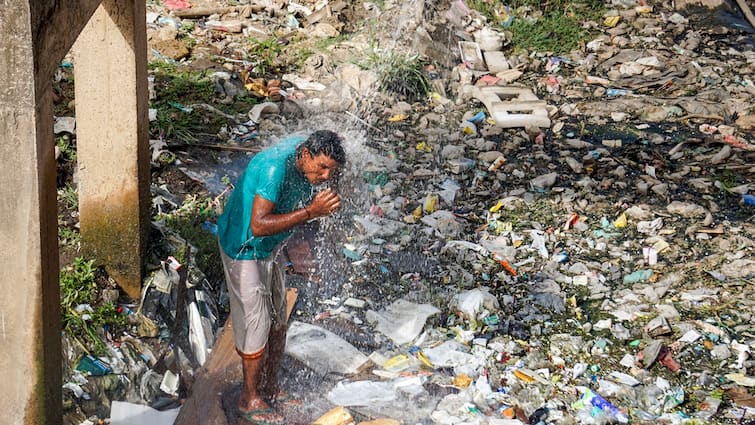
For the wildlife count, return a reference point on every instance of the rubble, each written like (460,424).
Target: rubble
(543,239)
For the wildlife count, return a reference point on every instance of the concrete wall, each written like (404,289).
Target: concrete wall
(110,65)
(36,36)
(29,295)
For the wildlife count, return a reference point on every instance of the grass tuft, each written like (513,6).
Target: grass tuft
(553,26)
(398,73)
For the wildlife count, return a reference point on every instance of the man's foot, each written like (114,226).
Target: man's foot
(260,413)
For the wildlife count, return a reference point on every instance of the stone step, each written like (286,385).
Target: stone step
(513,106)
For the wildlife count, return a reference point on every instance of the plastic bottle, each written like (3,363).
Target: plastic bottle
(617,92)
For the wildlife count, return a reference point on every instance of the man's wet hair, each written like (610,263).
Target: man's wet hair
(324,142)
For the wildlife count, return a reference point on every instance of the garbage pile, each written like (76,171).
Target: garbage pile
(545,239)
(146,369)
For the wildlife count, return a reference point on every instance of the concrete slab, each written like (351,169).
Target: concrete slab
(513,106)
(496,61)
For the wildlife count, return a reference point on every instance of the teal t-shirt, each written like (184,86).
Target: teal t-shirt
(271,174)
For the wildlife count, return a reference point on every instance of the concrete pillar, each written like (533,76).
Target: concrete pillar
(30,362)
(110,66)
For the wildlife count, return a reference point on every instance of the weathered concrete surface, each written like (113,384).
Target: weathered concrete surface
(30,391)
(113,147)
(55,25)
(36,37)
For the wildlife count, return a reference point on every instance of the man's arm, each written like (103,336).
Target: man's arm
(265,223)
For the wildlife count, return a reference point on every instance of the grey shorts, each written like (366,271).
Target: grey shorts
(257,292)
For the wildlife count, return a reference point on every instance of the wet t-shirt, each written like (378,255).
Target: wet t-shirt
(271,174)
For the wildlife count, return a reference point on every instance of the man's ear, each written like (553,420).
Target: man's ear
(306,153)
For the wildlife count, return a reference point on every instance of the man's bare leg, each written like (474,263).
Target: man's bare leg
(276,344)
(250,399)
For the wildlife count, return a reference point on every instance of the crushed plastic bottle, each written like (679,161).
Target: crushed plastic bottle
(617,92)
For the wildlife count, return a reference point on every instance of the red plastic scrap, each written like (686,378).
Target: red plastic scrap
(488,80)
(176,4)
(573,219)
(667,360)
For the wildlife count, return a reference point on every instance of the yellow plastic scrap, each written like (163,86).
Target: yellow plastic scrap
(417,213)
(336,416)
(620,222)
(257,86)
(611,21)
(423,147)
(462,380)
(431,201)
(397,118)
(499,227)
(423,358)
(497,206)
(398,361)
(516,240)
(523,377)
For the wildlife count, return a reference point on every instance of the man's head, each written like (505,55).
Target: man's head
(319,157)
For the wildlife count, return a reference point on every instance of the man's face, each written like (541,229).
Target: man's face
(317,168)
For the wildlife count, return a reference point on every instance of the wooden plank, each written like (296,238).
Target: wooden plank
(217,378)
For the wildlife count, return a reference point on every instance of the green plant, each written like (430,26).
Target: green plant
(187,26)
(69,197)
(398,73)
(263,56)
(67,149)
(554,32)
(486,8)
(174,89)
(80,315)
(189,222)
(68,236)
(553,26)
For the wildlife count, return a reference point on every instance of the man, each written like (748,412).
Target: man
(271,198)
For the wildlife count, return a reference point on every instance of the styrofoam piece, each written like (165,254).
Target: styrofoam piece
(513,106)
(472,55)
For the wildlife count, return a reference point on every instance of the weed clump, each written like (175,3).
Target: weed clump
(263,55)
(81,317)
(190,221)
(398,73)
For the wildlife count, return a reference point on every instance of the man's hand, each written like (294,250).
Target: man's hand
(326,202)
